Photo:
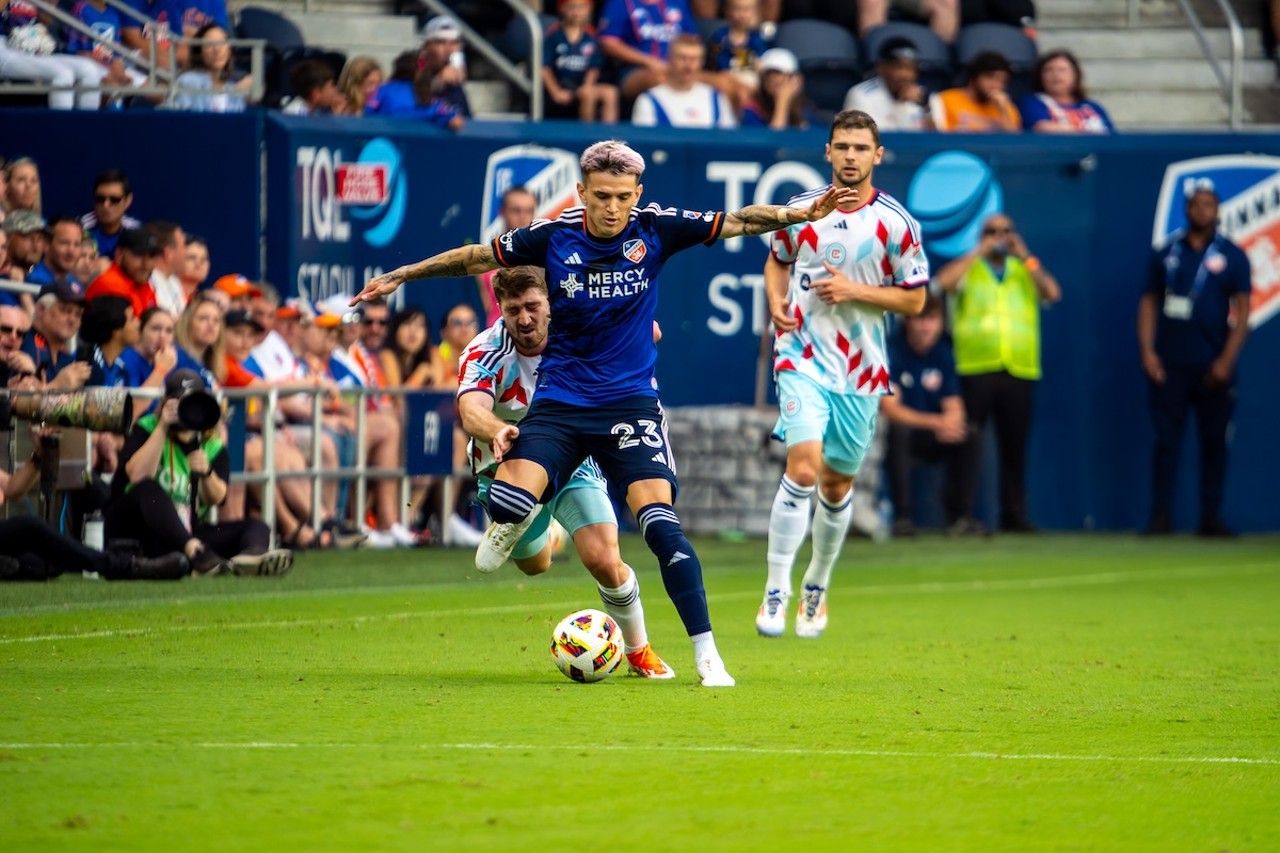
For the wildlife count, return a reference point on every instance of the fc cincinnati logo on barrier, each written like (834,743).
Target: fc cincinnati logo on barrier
(551,174)
(1249,188)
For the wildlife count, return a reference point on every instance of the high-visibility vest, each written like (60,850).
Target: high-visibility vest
(995,323)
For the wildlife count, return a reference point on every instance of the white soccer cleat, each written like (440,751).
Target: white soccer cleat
(771,619)
(713,674)
(500,540)
(811,615)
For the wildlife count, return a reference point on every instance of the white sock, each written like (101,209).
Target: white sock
(788,524)
(830,527)
(624,605)
(704,646)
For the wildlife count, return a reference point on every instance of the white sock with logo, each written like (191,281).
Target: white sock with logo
(788,524)
(830,527)
(623,604)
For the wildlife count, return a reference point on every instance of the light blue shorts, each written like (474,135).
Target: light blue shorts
(844,423)
(582,502)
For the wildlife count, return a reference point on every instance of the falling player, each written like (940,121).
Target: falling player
(595,385)
(496,385)
(829,284)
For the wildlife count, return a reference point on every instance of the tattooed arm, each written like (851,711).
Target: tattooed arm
(455,263)
(763,218)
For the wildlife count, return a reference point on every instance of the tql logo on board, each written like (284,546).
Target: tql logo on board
(1249,213)
(372,189)
(551,174)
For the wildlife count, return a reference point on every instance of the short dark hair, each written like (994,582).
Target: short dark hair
(102,317)
(63,219)
(164,232)
(510,282)
(854,120)
(309,75)
(113,176)
(987,62)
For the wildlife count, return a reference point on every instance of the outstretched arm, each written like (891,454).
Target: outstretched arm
(763,218)
(464,260)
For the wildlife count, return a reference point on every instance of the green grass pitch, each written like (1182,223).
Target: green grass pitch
(1051,692)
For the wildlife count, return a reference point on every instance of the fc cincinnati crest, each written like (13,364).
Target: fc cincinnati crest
(550,174)
(634,250)
(1248,188)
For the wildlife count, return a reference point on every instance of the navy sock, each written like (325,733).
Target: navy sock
(681,570)
(509,504)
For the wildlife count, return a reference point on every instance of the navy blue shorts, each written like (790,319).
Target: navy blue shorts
(628,439)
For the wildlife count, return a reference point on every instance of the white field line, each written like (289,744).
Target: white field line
(1087,579)
(931,587)
(727,749)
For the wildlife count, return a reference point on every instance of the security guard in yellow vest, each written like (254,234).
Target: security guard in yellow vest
(997,291)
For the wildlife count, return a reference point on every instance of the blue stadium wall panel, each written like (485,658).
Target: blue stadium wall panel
(348,198)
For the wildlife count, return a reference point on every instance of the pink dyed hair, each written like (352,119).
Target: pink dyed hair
(613,156)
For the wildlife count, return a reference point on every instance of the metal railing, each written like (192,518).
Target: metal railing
(161,77)
(531,85)
(269,429)
(1231,82)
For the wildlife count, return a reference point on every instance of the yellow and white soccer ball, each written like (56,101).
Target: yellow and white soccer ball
(587,645)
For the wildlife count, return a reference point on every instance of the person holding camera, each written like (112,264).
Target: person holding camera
(174,470)
(998,289)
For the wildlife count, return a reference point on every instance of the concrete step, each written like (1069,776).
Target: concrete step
(1146,43)
(381,36)
(1163,75)
(1134,109)
(1110,13)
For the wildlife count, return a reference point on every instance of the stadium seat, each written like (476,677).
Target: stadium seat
(1010,42)
(936,68)
(279,32)
(281,36)
(517,41)
(707,27)
(827,81)
(810,39)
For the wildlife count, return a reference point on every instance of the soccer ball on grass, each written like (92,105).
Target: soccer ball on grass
(587,645)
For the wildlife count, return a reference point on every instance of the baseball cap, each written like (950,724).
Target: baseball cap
(1194,186)
(66,288)
(778,59)
(897,49)
(441,28)
(242,318)
(290,310)
(236,286)
(140,241)
(24,222)
(182,381)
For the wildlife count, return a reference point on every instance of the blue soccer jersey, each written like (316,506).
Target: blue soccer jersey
(604,294)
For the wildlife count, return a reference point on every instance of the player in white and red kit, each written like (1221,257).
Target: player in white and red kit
(497,379)
(829,284)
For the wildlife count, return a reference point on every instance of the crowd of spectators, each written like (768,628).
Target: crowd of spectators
(680,63)
(144,312)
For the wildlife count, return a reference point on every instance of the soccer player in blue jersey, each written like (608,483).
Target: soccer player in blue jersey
(595,384)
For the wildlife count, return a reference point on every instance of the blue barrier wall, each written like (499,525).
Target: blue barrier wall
(347,198)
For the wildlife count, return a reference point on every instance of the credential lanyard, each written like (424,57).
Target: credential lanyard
(1202,273)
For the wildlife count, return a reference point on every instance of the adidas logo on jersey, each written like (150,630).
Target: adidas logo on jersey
(841,225)
(575,258)
(659,458)
(677,557)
